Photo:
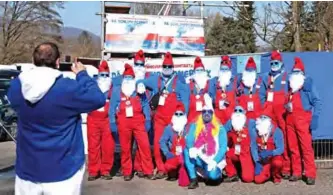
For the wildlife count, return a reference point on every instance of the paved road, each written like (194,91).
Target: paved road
(144,187)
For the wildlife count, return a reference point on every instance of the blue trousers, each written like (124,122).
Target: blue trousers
(191,165)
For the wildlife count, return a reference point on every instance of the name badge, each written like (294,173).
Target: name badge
(250,106)
(222,105)
(237,149)
(179,150)
(198,106)
(161,101)
(270,96)
(129,111)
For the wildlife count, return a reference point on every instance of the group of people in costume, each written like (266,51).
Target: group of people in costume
(206,127)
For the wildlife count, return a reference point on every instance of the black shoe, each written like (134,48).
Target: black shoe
(106,177)
(234,178)
(160,175)
(285,176)
(140,174)
(149,177)
(194,184)
(310,181)
(119,173)
(128,177)
(92,178)
(295,178)
(171,178)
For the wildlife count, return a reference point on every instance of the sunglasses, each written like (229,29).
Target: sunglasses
(207,112)
(238,110)
(167,66)
(179,114)
(225,62)
(104,75)
(275,63)
(139,64)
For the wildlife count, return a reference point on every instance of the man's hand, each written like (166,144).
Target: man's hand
(193,152)
(211,165)
(78,67)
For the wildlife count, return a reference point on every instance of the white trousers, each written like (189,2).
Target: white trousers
(71,186)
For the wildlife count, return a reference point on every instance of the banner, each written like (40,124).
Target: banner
(129,33)
(154,34)
(183,66)
(181,36)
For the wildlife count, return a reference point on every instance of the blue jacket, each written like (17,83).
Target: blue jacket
(166,140)
(222,139)
(214,82)
(277,86)
(115,102)
(310,97)
(49,139)
(182,89)
(278,142)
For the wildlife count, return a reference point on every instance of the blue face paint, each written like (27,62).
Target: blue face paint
(139,64)
(276,65)
(103,74)
(264,117)
(128,77)
(179,113)
(224,68)
(207,115)
(199,70)
(297,71)
(167,70)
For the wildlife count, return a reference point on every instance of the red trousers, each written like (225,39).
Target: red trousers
(101,146)
(128,127)
(159,126)
(172,164)
(271,169)
(137,162)
(245,160)
(300,139)
(175,165)
(281,122)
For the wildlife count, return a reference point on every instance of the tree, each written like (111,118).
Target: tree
(86,45)
(245,27)
(24,24)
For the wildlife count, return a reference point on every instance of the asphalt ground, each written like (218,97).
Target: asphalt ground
(161,187)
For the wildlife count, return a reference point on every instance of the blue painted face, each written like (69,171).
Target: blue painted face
(251,70)
(199,70)
(239,110)
(263,117)
(297,72)
(224,69)
(139,64)
(167,70)
(103,74)
(179,113)
(128,78)
(276,65)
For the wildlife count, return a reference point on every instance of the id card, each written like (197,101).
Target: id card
(161,101)
(198,106)
(270,96)
(250,106)
(101,109)
(129,111)
(237,149)
(222,105)
(290,107)
(179,150)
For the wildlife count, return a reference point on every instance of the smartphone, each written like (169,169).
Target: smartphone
(65,66)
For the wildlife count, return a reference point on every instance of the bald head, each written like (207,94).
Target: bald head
(46,54)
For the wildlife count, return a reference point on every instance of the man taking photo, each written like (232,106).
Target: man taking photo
(50,151)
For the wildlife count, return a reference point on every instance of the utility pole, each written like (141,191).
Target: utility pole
(296,25)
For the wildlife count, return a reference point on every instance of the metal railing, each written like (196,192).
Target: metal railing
(323,150)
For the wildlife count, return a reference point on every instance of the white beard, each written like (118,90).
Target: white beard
(104,83)
(200,79)
(296,81)
(224,78)
(238,121)
(140,73)
(249,78)
(178,123)
(128,87)
(263,126)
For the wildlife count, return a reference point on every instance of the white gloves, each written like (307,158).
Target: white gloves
(211,165)
(188,79)
(141,88)
(193,152)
